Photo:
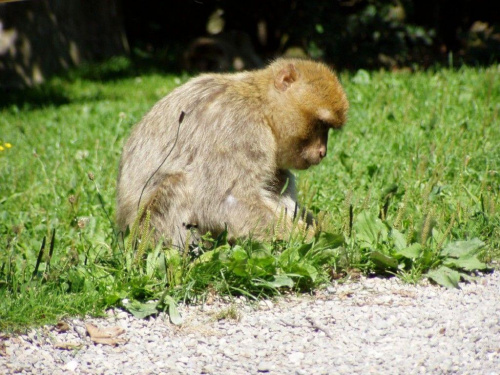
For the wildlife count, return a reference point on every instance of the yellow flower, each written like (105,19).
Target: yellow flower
(7,144)
(1,148)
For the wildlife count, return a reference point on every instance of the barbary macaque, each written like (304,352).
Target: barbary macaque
(215,154)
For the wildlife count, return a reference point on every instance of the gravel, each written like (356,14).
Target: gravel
(370,326)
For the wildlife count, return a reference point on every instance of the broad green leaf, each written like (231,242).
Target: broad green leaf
(257,246)
(369,230)
(282,280)
(399,239)
(152,261)
(206,256)
(323,255)
(466,277)
(239,269)
(289,256)
(305,269)
(459,248)
(304,249)
(239,253)
(141,310)
(173,312)
(411,252)
(237,261)
(261,254)
(112,298)
(278,282)
(261,266)
(329,240)
(467,263)
(172,257)
(436,233)
(382,260)
(445,276)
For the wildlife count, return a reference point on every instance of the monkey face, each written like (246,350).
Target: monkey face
(306,142)
(313,148)
(305,148)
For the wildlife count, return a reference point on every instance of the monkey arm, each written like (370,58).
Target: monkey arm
(286,188)
(255,205)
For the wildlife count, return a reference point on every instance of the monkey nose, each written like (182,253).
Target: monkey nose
(322,152)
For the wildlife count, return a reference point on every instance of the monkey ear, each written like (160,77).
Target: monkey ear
(286,77)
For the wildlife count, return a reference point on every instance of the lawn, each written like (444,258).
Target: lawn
(409,188)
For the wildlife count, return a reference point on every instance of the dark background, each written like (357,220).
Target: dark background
(348,33)
(38,38)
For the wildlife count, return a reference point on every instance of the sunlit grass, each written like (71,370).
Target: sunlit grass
(415,171)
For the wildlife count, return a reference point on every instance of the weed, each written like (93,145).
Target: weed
(228,313)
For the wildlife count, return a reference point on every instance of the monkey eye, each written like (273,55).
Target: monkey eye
(329,125)
(324,124)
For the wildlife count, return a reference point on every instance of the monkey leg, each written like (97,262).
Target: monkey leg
(291,220)
(170,211)
(263,217)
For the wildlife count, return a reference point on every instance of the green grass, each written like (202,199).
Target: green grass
(410,187)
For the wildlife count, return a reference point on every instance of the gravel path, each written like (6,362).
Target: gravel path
(371,326)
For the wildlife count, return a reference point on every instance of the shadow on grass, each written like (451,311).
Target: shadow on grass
(139,63)
(53,92)
(33,97)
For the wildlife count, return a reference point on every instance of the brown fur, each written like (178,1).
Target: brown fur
(230,155)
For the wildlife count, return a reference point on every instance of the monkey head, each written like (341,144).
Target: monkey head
(310,101)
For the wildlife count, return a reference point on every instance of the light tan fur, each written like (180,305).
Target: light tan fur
(216,152)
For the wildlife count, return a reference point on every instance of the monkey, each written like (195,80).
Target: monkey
(216,153)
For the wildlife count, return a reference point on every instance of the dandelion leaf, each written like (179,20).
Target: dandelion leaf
(411,252)
(383,261)
(467,263)
(445,276)
(458,249)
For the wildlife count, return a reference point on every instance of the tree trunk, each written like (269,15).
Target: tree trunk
(39,38)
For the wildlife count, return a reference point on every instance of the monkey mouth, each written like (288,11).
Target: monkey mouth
(306,163)
(311,162)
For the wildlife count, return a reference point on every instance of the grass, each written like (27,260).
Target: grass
(410,187)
